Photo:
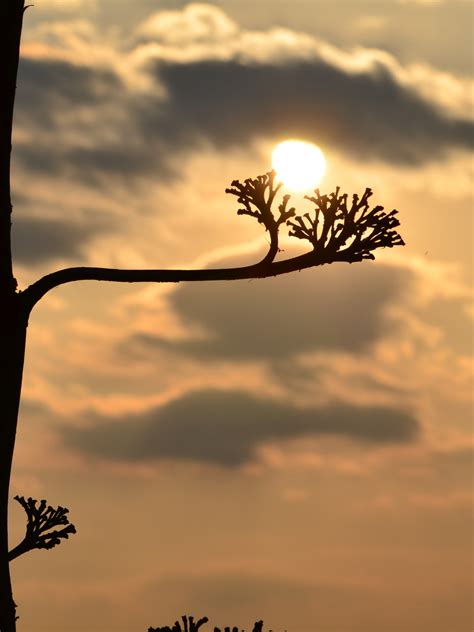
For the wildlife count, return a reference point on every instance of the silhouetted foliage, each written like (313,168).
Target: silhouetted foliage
(335,231)
(258,627)
(252,195)
(335,225)
(191,626)
(40,528)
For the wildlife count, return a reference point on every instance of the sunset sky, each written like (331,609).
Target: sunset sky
(297,449)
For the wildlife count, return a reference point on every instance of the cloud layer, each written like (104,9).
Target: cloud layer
(37,240)
(203,80)
(340,308)
(367,114)
(225,428)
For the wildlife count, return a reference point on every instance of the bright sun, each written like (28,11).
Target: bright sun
(299,165)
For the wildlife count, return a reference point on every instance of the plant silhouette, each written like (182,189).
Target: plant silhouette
(189,625)
(334,229)
(40,532)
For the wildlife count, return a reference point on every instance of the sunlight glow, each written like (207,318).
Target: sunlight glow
(298,164)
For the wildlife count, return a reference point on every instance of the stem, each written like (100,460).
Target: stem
(11,19)
(12,317)
(261,270)
(12,350)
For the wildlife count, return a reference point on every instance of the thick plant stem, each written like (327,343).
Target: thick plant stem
(12,350)
(12,316)
(11,19)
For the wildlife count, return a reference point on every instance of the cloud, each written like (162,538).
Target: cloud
(44,82)
(339,308)
(194,77)
(225,428)
(366,115)
(195,23)
(35,241)
(76,120)
(67,5)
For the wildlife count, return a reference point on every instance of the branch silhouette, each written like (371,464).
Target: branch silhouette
(40,527)
(336,232)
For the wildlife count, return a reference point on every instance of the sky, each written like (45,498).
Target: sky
(295,449)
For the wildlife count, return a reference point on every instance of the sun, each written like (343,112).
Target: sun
(298,164)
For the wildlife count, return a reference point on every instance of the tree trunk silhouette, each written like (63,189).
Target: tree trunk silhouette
(12,340)
(13,320)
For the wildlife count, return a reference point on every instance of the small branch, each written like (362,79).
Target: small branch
(40,532)
(256,196)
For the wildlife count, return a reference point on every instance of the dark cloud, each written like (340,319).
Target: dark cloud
(49,89)
(52,97)
(340,307)
(36,240)
(92,165)
(368,115)
(225,428)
